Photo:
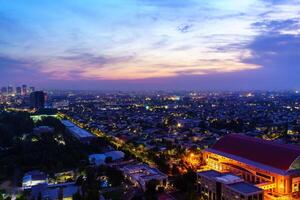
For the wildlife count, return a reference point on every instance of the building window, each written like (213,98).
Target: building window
(296,187)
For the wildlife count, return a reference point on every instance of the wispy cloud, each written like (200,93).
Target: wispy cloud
(145,39)
(184,28)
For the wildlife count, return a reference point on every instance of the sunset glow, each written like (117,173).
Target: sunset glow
(145,39)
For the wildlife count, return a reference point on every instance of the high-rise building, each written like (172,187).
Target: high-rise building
(37,99)
(18,90)
(10,89)
(24,89)
(4,90)
(31,89)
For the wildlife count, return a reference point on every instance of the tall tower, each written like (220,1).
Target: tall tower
(18,90)
(37,100)
(31,89)
(4,90)
(24,89)
(10,89)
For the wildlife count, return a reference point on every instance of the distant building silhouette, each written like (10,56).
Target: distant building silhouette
(37,99)
(18,90)
(31,89)
(24,89)
(10,89)
(4,90)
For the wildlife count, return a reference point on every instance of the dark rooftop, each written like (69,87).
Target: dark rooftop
(210,174)
(280,156)
(244,188)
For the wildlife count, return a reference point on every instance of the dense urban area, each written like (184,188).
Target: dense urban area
(132,145)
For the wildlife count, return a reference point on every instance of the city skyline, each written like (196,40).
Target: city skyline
(151,44)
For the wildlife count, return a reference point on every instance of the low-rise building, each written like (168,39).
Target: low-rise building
(272,166)
(54,192)
(79,133)
(115,155)
(213,185)
(100,159)
(141,174)
(33,178)
(97,159)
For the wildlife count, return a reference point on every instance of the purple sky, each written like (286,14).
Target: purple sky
(151,44)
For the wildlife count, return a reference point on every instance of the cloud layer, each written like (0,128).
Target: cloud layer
(150,41)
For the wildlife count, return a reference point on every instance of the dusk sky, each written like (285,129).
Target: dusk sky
(150,44)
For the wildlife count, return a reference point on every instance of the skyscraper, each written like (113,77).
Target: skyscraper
(37,100)
(24,89)
(18,90)
(3,90)
(10,89)
(31,89)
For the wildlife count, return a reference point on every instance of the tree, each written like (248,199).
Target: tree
(115,176)
(52,122)
(151,189)
(186,182)
(92,194)
(39,196)
(77,196)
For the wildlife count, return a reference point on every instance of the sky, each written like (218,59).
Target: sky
(151,44)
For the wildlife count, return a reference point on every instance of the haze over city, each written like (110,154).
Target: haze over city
(151,44)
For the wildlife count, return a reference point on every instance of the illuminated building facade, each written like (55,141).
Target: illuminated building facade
(141,174)
(33,178)
(214,185)
(273,167)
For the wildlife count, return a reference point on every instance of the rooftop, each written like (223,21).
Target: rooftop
(229,179)
(115,154)
(144,171)
(210,174)
(259,150)
(245,188)
(34,175)
(75,130)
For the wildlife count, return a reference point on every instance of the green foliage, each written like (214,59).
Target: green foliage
(115,176)
(21,197)
(52,122)
(47,154)
(46,111)
(44,153)
(77,196)
(90,187)
(161,161)
(114,195)
(13,125)
(192,195)
(186,182)
(150,193)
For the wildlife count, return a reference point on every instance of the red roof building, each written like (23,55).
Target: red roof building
(280,156)
(269,165)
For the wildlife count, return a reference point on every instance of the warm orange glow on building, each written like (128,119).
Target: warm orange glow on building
(273,167)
